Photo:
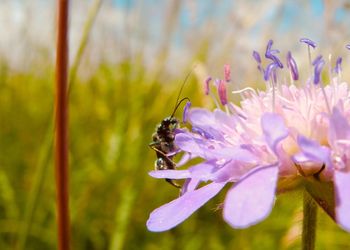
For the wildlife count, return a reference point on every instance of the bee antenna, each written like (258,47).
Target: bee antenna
(177,103)
(176,107)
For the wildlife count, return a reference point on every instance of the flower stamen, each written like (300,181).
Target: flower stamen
(227,73)
(318,66)
(206,85)
(293,68)
(257,58)
(222,92)
(337,68)
(270,75)
(309,43)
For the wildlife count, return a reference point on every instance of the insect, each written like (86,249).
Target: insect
(163,140)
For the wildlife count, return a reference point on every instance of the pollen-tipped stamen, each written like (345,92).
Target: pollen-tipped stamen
(293,68)
(227,72)
(337,68)
(318,66)
(222,92)
(206,85)
(309,43)
(271,77)
(257,58)
(185,112)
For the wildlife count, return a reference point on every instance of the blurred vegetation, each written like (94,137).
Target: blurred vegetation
(113,113)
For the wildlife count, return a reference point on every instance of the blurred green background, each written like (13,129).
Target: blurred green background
(128,61)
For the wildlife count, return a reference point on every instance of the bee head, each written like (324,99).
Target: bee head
(170,122)
(173,122)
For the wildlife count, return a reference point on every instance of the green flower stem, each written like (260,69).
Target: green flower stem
(309,222)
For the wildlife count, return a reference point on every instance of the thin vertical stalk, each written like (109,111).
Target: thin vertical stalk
(61,131)
(309,222)
(46,149)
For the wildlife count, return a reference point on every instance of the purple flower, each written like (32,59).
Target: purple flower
(225,163)
(273,141)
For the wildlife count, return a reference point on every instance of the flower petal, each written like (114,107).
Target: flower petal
(175,212)
(188,143)
(231,172)
(313,151)
(202,171)
(224,120)
(205,120)
(189,185)
(203,148)
(201,117)
(170,174)
(232,153)
(184,159)
(274,129)
(342,188)
(339,127)
(252,198)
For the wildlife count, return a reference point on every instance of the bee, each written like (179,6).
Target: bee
(163,140)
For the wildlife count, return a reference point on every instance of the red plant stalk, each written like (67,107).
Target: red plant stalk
(61,131)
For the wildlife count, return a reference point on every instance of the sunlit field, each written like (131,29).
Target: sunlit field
(128,61)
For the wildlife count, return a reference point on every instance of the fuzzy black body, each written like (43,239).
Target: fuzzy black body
(163,144)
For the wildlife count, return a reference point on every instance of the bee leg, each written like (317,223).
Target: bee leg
(160,163)
(172,182)
(153,146)
(164,155)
